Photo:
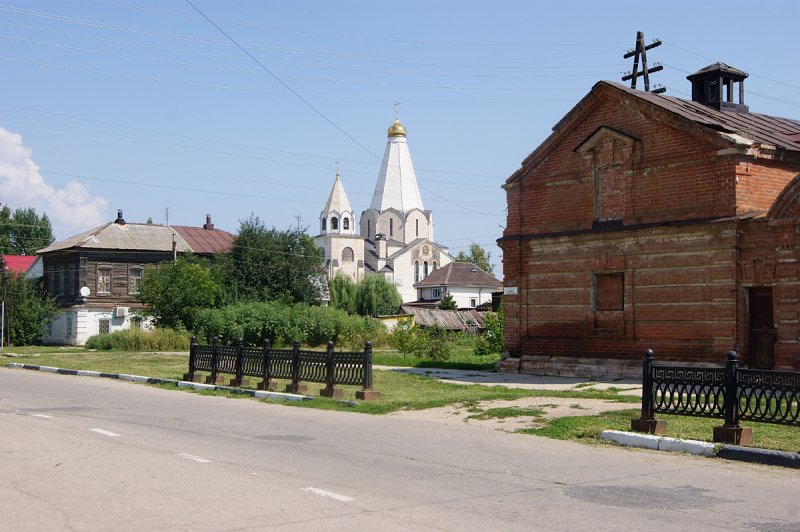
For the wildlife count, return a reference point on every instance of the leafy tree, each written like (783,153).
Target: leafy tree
(273,265)
(173,291)
(376,296)
(493,337)
(22,231)
(343,293)
(477,256)
(28,309)
(447,302)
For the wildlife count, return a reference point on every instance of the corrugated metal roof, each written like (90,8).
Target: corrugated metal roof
(773,130)
(129,237)
(453,320)
(19,263)
(460,274)
(202,240)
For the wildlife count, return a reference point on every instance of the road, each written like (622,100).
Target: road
(78,453)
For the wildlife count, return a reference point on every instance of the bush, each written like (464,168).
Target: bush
(493,337)
(134,339)
(429,342)
(281,324)
(28,310)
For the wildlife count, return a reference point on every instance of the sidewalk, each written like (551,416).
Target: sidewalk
(516,380)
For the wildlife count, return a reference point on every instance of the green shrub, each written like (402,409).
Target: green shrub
(429,342)
(135,339)
(281,324)
(493,337)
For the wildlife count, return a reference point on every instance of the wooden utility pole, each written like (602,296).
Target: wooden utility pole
(639,53)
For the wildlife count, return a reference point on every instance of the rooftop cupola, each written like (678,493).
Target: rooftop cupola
(714,86)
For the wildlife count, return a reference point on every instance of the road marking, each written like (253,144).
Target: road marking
(195,458)
(105,432)
(45,416)
(332,495)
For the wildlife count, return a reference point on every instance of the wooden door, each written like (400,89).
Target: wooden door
(763,334)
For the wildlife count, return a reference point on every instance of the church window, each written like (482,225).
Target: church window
(391,227)
(324,223)
(334,223)
(347,254)
(417,227)
(424,269)
(416,272)
(369,229)
(345,223)
(435,265)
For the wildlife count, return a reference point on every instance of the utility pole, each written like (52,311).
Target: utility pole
(640,53)
(3,324)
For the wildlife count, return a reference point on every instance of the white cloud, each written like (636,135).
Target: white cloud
(71,209)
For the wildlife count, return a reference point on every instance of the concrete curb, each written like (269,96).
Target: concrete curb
(701,448)
(257,394)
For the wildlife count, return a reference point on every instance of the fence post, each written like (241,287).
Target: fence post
(367,393)
(330,376)
(731,432)
(240,379)
(192,360)
(648,422)
(214,378)
(296,386)
(266,367)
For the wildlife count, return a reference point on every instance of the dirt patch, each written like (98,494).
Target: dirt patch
(550,408)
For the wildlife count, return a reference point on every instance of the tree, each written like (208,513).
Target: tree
(376,296)
(272,265)
(477,256)
(28,308)
(23,232)
(173,291)
(447,302)
(343,292)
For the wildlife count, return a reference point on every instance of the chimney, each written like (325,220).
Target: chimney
(714,86)
(120,220)
(208,224)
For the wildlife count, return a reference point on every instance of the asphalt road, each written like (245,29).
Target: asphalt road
(78,453)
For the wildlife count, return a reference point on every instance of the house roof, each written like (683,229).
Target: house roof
(459,320)
(202,240)
(129,237)
(460,274)
(777,131)
(19,263)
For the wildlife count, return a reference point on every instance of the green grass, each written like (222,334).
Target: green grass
(137,363)
(461,359)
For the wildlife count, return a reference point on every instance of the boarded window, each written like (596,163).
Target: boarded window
(609,290)
(347,255)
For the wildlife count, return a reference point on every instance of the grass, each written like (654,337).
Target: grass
(507,412)
(460,359)
(400,391)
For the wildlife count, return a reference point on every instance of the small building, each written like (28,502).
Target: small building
(28,265)
(649,221)
(94,276)
(469,286)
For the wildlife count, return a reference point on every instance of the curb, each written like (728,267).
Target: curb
(257,394)
(701,448)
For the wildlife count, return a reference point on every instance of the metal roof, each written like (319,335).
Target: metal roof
(129,237)
(202,240)
(460,274)
(776,131)
(454,320)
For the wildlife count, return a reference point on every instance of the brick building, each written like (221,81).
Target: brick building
(646,220)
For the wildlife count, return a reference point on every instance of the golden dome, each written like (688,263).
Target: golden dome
(397,129)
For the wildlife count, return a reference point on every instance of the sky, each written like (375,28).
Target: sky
(171,110)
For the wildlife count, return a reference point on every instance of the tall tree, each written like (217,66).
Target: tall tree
(375,296)
(477,256)
(273,265)
(173,291)
(343,293)
(22,231)
(28,309)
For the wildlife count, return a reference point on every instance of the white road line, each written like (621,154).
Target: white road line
(332,495)
(195,458)
(45,416)
(105,432)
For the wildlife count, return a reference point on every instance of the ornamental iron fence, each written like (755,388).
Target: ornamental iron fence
(729,392)
(299,366)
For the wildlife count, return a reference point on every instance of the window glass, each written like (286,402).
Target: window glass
(134,279)
(103,279)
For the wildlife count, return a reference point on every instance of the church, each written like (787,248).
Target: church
(395,234)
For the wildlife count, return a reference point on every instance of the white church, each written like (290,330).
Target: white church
(395,234)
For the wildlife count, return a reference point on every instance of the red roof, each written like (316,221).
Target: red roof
(19,263)
(203,240)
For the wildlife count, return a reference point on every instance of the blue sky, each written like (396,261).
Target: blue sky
(145,106)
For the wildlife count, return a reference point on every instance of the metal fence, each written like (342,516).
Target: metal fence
(729,392)
(299,366)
